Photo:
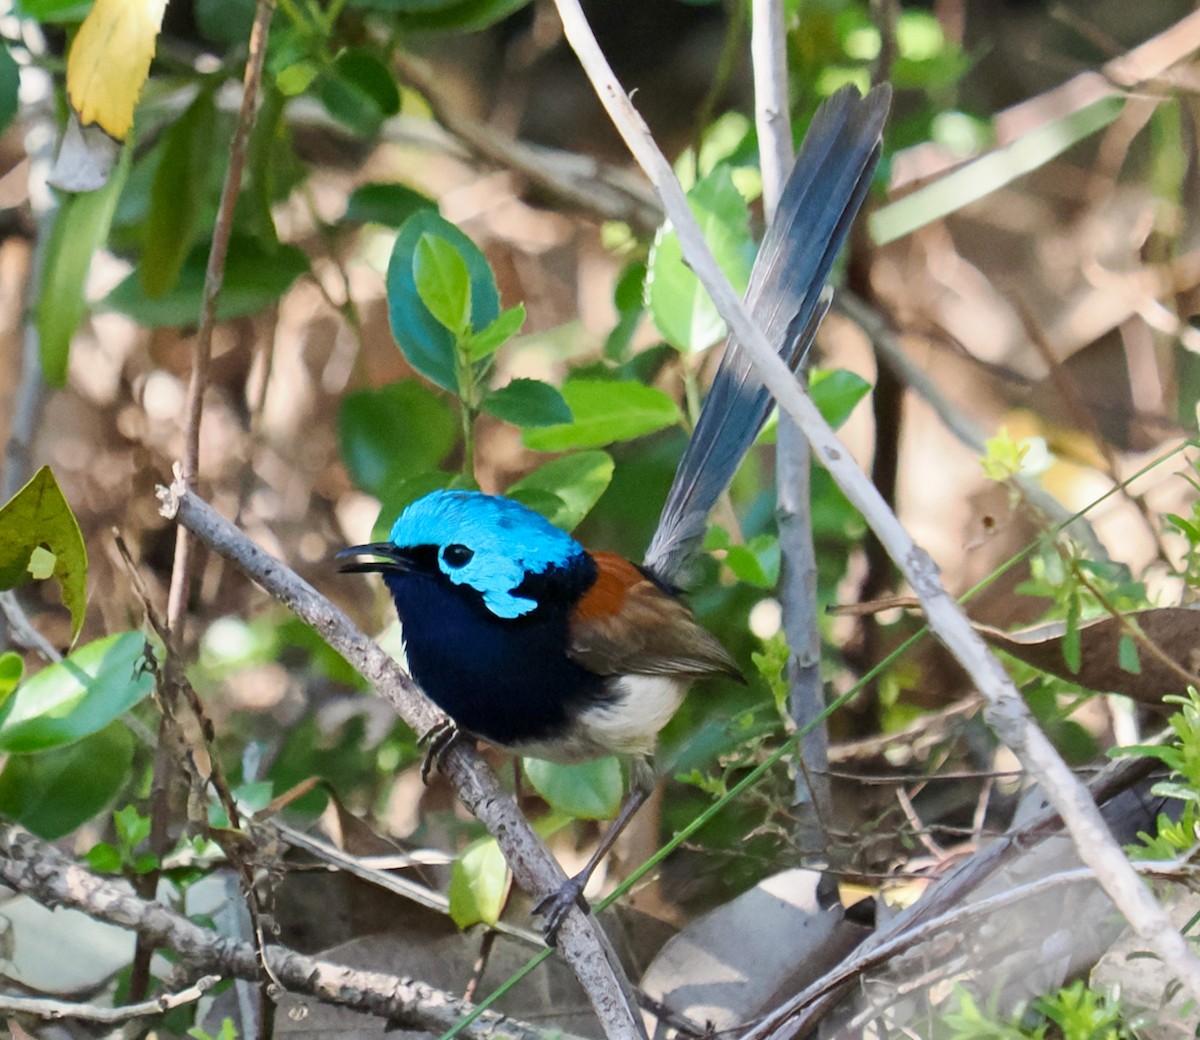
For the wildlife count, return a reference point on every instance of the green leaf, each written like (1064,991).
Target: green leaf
(528,402)
(679,304)
(1127,655)
(255,277)
(297,78)
(629,301)
(757,562)
(479,884)
(394,433)
(427,344)
(605,411)
(836,392)
(387,204)
(38,516)
(77,696)
(442,16)
(103,858)
(11,669)
(567,488)
(360,92)
(178,193)
(132,827)
(586,790)
(10,84)
(55,791)
(80,228)
(485,343)
(1072,644)
(443,283)
(56,11)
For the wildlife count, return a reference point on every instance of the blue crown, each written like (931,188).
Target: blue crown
(508,542)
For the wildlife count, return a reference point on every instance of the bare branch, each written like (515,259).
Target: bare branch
(1006,712)
(59,1009)
(42,872)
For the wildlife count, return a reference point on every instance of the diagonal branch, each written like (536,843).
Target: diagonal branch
(1006,711)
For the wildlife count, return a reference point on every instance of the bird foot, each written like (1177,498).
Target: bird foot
(441,738)
(557,904)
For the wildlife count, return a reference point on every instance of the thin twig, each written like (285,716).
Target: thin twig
(793,461)
(580,941)
(21,630)
(182,567)
(45,874)
(214,278)
(1007,712)
(53,1010)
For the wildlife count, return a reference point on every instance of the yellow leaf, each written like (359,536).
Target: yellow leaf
(41,563)
(109,61)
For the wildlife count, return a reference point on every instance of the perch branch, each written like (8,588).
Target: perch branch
(1006,711)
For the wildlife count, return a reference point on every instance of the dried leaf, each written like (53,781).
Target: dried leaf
(1109,658)
(109,62)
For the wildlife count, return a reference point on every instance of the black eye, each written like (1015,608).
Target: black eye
(457,555)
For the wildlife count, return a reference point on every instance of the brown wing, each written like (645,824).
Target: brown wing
(625,624)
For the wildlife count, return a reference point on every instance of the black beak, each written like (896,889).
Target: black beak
(394,559)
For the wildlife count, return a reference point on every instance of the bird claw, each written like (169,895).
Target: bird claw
(441,738)
(558,904)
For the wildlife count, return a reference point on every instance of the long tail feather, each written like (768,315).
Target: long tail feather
(787,298)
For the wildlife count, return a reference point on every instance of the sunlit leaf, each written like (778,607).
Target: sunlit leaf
(38,516)
(11,669)
(81,225)
(605,411)
(567,488)
(443,283)
(479,883)
(110,59)
(678,303)
(485,342)
(76,696)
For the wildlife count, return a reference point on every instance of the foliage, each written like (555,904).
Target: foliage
(1075,1012)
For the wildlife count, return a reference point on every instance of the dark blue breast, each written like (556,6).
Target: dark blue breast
(507,680)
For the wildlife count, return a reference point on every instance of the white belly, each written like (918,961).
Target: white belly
(626,725)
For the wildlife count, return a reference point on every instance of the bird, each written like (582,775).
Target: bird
(530,641)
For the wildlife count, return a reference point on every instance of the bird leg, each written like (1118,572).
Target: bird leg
(558,903)
(441,738)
